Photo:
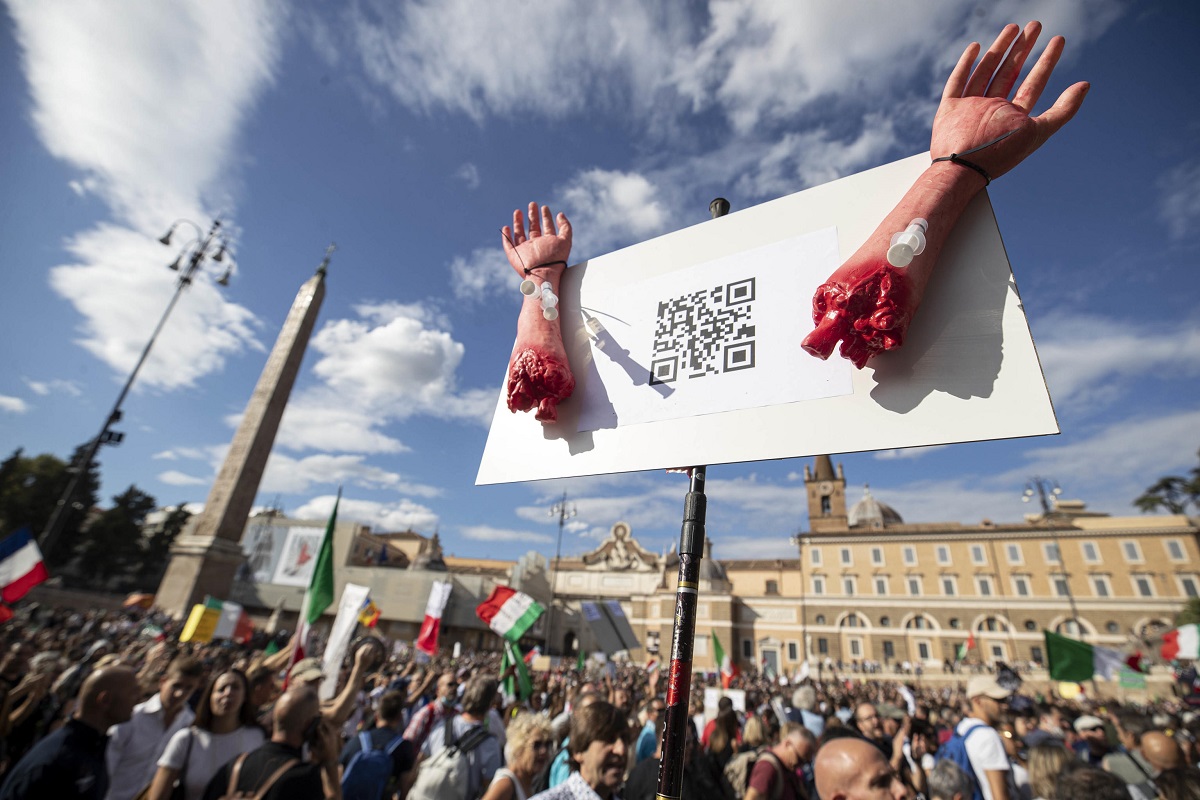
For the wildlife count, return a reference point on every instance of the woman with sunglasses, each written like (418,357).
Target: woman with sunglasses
(530,743)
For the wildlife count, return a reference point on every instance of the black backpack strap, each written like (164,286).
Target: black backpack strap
(472,739)
(448,732)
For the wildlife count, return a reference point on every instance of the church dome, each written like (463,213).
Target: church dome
(870,513)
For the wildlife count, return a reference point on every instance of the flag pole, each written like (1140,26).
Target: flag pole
(679,673)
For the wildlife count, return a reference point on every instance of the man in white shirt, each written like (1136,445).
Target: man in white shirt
(984,747)
(134,747)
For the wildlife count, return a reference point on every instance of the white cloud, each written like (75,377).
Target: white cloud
(176,478)
(382,517)
(1178,203)
(191,454)
(13,405)
(486,533)
(483,273)
(744,547)
(468,173)
(1090,360)
(320,419)
(609,208)
(148,113)
(907,453)
(298,476)
(57,385)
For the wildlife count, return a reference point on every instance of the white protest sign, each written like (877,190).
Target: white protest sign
(353,599)
(967,371)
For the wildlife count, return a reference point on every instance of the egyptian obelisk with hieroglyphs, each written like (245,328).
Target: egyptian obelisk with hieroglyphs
(208,552)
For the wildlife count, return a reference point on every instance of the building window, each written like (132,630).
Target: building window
(852,621)
(1175,549)
(1030,625)
(1112,627)
(943,554)
(914,586)
(826,506)
(992,624)
(1143,585)
(823,646)
(1132,551)
(1189,586)
(1035,655)
(1051,551)
(793,651)
(985,586)
(910,556)
(818,584)
(1069,627)
(877,556)
(848,585)
(1060,586)
(955,623)
(1014,554)
(856,647)
(820,619)
(885,622)
(977,556)
(919,622)
(1101,586)
(1091,553)
(923,651)
(772,587)
(814,555)
(1021,584)
(889,651)
(881,586)
(847,557)
(747,648)
(949,586)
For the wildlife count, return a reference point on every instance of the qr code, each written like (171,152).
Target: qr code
(706,332)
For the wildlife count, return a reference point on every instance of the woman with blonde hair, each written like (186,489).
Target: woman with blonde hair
(1045,762)
(530,743)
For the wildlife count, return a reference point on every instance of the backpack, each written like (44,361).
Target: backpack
(447,776)
(233,793)
(369,771)
(955,749)
(737,772)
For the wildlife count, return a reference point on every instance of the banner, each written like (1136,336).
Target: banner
(353,597)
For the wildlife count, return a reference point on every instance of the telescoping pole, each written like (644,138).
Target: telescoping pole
(679,674)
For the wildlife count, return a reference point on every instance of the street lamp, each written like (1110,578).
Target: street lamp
(187,263)
(1047,491)
(563,511)
(799,541)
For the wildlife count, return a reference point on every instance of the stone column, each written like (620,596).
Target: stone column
(207,554)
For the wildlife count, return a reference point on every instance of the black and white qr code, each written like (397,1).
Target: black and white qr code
(706,332)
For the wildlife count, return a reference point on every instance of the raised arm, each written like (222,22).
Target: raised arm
(978,135)
(538,373)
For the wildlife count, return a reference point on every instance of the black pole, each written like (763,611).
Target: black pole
(683,636)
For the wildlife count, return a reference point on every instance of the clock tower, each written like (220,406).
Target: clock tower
(826,496)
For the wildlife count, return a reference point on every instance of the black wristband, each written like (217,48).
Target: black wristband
(957,158)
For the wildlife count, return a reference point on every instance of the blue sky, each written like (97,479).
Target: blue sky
(406,132)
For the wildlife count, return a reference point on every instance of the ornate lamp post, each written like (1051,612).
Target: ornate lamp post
(187,263)
(1045,490)
(563,511)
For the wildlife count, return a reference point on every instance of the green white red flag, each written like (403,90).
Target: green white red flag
(509,613)
(1181,643)
(319,595)
(728,669)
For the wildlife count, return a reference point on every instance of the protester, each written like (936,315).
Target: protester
(435,711)
(134,747)
(985,749)
(651,733)
(1080,780)
(774,775)
(530,743)
(1046,761)
(386,736)
(224,728)
(947,781)
(1092,746)
(1050,727)
(277,770)
(597,754)
(560,767)
(851,768)
(69,763)
(485,758)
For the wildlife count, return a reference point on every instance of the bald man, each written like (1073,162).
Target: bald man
(70,761)
(850,768)
(1161,752)
(297,720)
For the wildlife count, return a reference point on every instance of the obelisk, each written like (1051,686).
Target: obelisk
(205,557)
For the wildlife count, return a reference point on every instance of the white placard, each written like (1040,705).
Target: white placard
(719,336)
(967,371)
(354,597)
(298,557)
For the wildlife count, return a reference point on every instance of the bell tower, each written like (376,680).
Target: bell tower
(826,496)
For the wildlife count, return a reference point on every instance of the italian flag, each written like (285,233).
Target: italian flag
(1182,643)
(517,685)
(969,644)
(319,595)
(728,669)
(509,613)
(1072,660)
(439,595)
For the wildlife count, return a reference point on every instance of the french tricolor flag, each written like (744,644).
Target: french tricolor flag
(21,566)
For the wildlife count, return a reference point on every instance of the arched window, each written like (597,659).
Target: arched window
(920,622)
(1069,627)
(853,620)
(993,624)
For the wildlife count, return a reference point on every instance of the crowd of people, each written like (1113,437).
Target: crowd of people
(110,705)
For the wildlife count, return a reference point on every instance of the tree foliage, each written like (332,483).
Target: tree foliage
(1190,612)
(113,545)
(30,488)
(1172,493)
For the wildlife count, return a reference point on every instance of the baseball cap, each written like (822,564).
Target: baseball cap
(305,670)
(987,686)
(1088,723)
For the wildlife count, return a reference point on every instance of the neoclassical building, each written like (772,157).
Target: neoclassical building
(864,586)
